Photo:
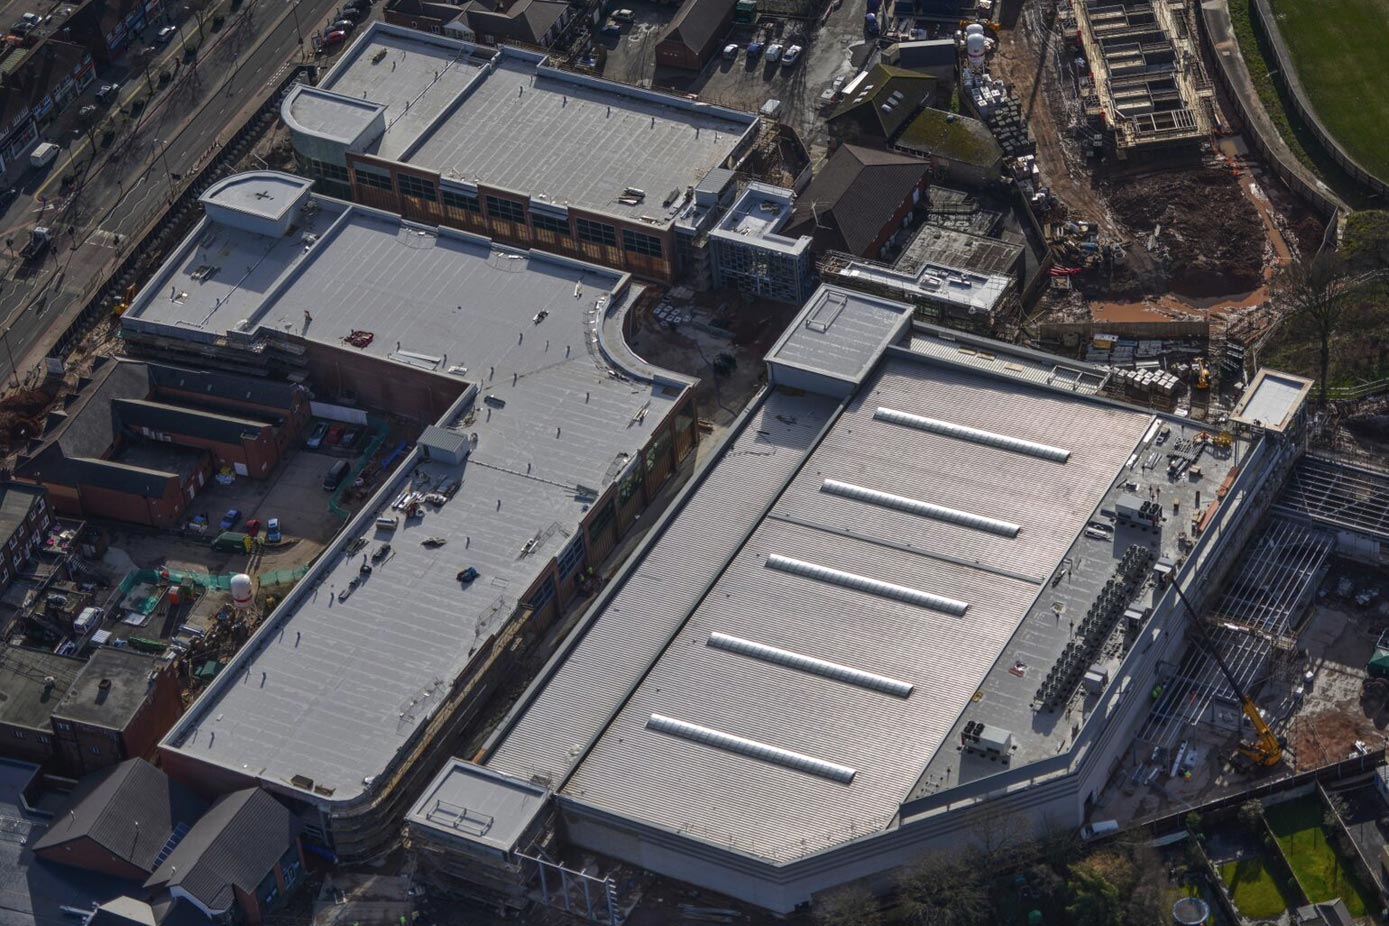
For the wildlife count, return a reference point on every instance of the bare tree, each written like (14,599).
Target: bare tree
(943,890)
(852,905)
(1316,293)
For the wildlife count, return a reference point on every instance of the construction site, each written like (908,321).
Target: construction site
(1163,228)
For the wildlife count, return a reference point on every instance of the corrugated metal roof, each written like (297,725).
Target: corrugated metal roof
(656,598)
(780,813)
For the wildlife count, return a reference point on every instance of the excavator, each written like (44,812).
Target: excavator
(1265,750)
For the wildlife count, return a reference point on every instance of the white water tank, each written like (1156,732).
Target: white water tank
(242,590)
(974,29)
(975,45)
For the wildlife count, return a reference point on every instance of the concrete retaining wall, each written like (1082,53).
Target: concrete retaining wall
(1232,73)
(1286,74)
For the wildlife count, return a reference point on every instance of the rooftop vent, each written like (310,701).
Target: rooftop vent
(751,749)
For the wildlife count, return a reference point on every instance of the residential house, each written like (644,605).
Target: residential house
(882,102)
(24,517)
(238,862)
(860,200)
(121,821)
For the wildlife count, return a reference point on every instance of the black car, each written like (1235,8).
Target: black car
(7,197)
(349,14)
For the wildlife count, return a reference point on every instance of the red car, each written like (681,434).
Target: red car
(252,527)
(336,37)
(334,434)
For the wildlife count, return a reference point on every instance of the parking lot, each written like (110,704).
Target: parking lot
(838,48)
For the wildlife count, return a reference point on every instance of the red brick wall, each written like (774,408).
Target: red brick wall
(166,511)
(84,852)
(161,709)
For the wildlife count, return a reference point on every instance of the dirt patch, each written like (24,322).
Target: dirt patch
(1193,254)
(21,415)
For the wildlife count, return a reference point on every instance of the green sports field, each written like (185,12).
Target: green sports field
(1341,49)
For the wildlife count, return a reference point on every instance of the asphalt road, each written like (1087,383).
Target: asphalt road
(139,173)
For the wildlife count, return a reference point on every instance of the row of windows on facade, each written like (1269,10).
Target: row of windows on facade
(511,211)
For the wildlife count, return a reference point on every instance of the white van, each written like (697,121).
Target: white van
(1099,828)
(43,154)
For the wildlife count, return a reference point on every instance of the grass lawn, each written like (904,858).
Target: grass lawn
(1339,49)
(1322,871)
(1256,892)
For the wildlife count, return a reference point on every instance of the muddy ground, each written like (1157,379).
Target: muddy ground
(1209,238)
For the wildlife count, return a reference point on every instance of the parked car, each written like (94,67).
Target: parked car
(773,52)
(361,7)
(230,519)
(730,51)
(349,439)
(754,49)
(335,475)
(336,37)
(624,15)
(7,197)
(335,434)
(252,527)
(611,28)
(791,56)
(315,440)
(165,35)
(272,531)
(351,15)
(106,91)
(343,25)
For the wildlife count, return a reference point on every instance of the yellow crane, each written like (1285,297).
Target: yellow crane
(1265,750)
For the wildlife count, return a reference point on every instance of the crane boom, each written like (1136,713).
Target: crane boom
(1266,749)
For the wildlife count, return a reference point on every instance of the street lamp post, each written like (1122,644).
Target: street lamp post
(163,151)
(294,8)
(14,370)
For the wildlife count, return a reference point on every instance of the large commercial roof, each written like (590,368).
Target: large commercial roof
(777,669)
(506,118)
(331,687)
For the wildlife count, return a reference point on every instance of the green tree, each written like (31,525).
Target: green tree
(851,905)
(941,890)
(1094,901)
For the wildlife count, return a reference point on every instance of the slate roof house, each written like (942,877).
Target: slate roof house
(239,861)
(859,200)
(123,821)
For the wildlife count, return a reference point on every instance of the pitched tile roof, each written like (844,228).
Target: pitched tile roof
(235,844)
(853,197)
(132,810)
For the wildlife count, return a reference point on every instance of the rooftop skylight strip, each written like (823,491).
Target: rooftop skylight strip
(809,664)
(974,435)
(752,749)
(864,584)
(925,509)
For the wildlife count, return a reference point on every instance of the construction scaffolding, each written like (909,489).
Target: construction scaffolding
(1147,83)
(1338,495)
(1254,621)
